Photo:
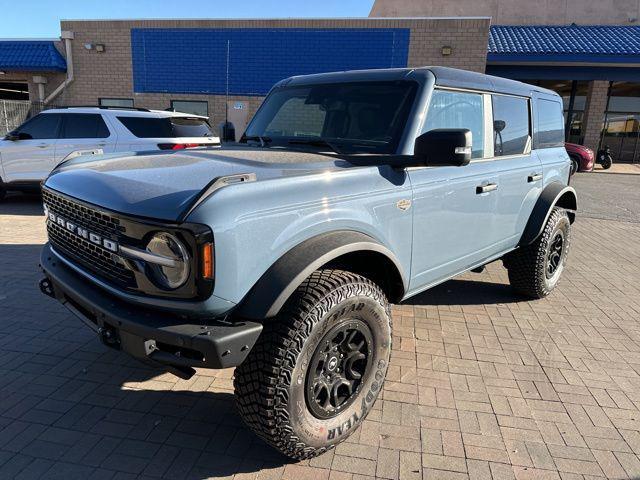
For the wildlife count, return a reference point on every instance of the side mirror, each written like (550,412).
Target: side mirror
(12,136)
(441,147)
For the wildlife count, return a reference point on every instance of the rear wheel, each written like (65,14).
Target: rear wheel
(319,365)
(606,162)
(575,165)
(534,270)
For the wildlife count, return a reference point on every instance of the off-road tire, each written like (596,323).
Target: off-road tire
(527,265)
(271,384)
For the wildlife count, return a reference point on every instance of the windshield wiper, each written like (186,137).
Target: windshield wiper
(264,141)
(316,142)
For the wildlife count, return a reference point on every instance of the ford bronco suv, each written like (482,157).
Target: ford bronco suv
(280,255)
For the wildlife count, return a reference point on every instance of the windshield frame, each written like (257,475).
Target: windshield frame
(414,93)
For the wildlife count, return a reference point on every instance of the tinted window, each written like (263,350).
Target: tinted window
(116,102)
(84,125)
(359,117)
(148,127)
(458,110)
(510,125)
(43,126)
(549,124)
(190,127)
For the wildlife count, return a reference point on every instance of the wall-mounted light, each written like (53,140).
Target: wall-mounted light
(88,46)
(100,47)
(446,51)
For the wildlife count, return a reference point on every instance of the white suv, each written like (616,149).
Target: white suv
(29,153)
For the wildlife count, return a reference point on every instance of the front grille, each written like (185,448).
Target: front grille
(90,219)
(86,254)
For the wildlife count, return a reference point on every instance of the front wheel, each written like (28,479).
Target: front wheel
(534,270)
(606,161)
(575,165)
(318,366)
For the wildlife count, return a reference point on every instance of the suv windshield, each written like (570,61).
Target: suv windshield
(363,117)
(168,127)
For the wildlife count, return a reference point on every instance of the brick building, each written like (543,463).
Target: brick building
(189,65)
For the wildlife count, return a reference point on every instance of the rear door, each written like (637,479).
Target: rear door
(453,207)
(520,172)
(83,132)
(32,157)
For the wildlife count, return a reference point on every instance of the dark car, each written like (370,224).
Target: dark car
(582,158)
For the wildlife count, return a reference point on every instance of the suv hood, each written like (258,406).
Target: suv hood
(164,185)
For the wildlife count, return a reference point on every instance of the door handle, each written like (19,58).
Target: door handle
(534,177)
(490,187)
(43,145)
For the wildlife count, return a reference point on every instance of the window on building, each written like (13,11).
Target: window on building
(41,127)
(190,106)
(621,130)
(549,124)
(168,127)
(510,125)
(83,125)
(116,102)
(458,110)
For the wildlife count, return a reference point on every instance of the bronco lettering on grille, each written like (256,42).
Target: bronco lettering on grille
(80,231)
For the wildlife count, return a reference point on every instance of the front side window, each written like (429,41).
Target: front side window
(510,125)
(549,124)
(359,117)
(41,127)
(84,125)
(450,109)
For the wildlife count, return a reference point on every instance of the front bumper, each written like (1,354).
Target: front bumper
(161,336)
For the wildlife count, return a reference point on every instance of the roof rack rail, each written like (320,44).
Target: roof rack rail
(105,107)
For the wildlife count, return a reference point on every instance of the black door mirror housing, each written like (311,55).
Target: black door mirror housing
(442,147)
(12,136)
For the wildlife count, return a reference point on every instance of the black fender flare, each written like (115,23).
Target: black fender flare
(554,194)
(275,286)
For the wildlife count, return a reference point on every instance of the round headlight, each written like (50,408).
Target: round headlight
(172,269)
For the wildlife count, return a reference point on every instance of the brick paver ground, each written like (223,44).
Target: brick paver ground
(482,384)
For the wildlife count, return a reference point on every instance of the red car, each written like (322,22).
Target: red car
(582,158)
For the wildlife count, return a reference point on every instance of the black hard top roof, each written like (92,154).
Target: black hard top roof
(444,76)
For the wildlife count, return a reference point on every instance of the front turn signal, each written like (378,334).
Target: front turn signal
(207,261)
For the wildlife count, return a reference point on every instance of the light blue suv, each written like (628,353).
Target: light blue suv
(281,255)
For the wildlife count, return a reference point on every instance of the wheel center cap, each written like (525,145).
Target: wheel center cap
(333,363)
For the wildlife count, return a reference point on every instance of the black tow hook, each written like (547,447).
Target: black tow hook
(46,287)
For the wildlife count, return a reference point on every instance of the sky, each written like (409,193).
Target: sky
(41,18)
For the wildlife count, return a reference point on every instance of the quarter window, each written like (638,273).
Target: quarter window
(549,124)
(84,125)
(510,125)
(458,110)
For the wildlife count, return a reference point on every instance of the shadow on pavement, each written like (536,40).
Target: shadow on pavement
(21,204)
(466,292)
(91,407)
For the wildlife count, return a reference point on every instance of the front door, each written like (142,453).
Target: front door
(453,207)
(30,159)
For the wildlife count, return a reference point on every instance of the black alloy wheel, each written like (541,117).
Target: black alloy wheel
(337,368)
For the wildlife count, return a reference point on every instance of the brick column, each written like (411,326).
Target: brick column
(594,113)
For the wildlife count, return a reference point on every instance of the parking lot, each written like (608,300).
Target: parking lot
(482,384)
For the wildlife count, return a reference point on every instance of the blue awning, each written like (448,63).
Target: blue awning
(569,44)
(31,55)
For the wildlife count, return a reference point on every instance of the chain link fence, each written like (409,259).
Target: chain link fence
(14,112)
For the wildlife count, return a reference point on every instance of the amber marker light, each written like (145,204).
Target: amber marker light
(207,261)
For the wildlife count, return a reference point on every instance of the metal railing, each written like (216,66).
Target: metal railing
(13,113)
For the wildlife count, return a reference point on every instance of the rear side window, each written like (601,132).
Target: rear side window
(510,125)
(40,127)
(84,125)
(458,110)
(549,124)
(148,127)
